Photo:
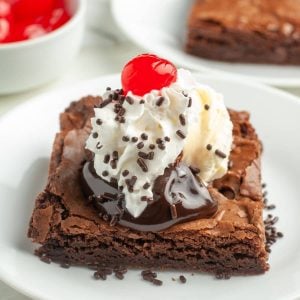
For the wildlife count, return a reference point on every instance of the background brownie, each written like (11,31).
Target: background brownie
(70,231)
(261,31)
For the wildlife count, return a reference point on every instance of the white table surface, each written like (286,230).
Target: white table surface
(103,52)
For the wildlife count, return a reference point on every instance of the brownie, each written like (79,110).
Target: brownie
(254,31)
(70,231)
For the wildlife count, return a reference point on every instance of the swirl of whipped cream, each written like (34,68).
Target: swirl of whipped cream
(153,132)
(209,140)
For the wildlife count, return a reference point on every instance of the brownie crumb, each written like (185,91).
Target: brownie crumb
(150,276)
(100,275)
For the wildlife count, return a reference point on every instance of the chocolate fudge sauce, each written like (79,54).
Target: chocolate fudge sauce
(177,197)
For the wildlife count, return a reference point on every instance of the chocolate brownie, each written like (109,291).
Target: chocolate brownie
(255,31)
(69,229)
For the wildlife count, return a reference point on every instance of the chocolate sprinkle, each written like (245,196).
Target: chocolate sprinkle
(113,164)
(190,102)
(161,146)
(144,198)
(144,136)
(105,173)
(160,101)
(125,173)
(129,100)
(220,153)
(99,146)
(99,122)
(180,134)
(121,111)
(130,183)
(140,145)
(206,106)
(167,139)
(270,207)
(142,101)
(115,155)
(173,211)
(182,279)
(142,164)
(125,138)
(106,158)
(143,155)
(151,155)
(152,146)
(208,147)
(146,186)
(95,135)
(159,141)
(182,119)
(134,139)
(105,102)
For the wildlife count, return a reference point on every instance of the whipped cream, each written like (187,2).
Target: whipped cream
(153,131)
(208,143)
(150,138)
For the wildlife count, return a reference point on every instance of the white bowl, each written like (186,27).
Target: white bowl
(28,64)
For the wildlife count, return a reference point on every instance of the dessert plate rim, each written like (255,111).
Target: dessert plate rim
(132,17)
(7,273)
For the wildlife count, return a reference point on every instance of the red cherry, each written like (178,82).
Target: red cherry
(31,8)
(6,19)
(147,72)
(4,30)
(5,9)
(58,18)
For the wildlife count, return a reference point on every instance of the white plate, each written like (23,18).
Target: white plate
(159,26)
(26,136)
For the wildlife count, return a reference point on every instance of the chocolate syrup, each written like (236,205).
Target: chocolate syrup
(177,197)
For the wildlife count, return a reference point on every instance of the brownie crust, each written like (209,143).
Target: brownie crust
(70,231)
(253,31)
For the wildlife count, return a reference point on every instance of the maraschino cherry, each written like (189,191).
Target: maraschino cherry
(29,19)
(147,72)
(5,20)
(31,8)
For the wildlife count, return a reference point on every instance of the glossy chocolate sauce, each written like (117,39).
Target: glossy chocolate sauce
(177,197)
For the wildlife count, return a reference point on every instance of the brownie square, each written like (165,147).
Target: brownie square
(254,31)
(70,231)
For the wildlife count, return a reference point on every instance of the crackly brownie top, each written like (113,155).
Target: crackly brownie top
(273,18)
(240,206)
